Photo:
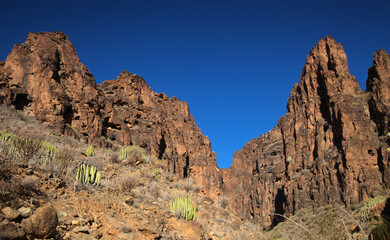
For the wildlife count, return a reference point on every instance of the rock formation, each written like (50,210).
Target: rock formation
(331,147)
(135,115)
(44,77)
(325,150)
(378,85)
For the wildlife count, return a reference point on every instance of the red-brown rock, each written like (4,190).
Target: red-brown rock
(42,223)
(135,115)
(44,77)
(378,85)
(325,150)
(331,147)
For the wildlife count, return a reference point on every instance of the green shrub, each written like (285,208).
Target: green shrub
(27,147)
(135,154)
(90,152)
(50,150)
(132,151)
(372,202)
(87,174)
(182,207)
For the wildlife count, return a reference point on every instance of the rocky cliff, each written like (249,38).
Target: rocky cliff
(330,147)
(45,78)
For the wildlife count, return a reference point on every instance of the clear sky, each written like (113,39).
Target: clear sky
(234,62)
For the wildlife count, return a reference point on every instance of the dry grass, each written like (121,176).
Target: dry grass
(15,190)
(127,181)
(189,185)
(223,202)
(114,157)
(7,168)
(326,222)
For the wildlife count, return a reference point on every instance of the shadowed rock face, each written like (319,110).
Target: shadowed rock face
(325,150)
(331,147)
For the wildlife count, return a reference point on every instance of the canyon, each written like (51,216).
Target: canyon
(332,146)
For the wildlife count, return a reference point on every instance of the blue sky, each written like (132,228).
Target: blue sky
(234,62)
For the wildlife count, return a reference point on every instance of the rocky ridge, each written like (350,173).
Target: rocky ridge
(45,78)
(331,147)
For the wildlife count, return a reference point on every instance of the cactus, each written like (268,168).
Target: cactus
(6,137)
(372,202)
(182,207)
(90,152)
(135,152)
(51,151)
(87,174)
(123,153)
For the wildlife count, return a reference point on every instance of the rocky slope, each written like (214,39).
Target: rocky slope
(329,148)
(44,77)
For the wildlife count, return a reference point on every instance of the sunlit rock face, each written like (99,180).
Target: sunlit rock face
(330,147)
(44,77)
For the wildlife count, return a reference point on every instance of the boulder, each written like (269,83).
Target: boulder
(25,212)
(9,231)
(42,223)
(10,214)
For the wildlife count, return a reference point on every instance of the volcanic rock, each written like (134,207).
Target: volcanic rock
(45,78)
(10,214)
(9,231)
(25,211)
(42,223)
(324,151)
(378,86)
(135,115)
(332,146)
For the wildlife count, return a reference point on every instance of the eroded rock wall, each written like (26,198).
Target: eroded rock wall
(330,147)
(44,77)
(325,150)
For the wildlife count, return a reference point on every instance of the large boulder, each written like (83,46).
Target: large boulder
(42,223)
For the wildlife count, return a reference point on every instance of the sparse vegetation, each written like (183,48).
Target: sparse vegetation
(372,202)
(223,201)
(128,180)
(87,174)
(137,189)
(189,185)
(90,152)
(51,151)
(182,207)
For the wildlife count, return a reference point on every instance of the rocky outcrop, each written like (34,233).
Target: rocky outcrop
(135,115)
(45,78)
(325,150)
(378,86)
(332,146)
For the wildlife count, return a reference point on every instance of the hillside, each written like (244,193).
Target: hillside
(331,150)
